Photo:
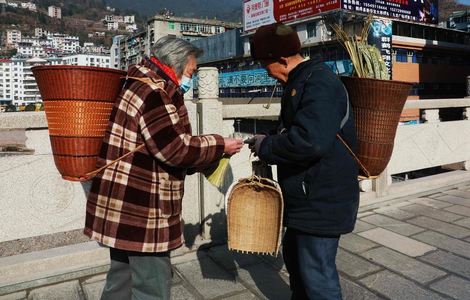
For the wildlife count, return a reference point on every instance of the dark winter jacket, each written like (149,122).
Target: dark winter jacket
(317,175)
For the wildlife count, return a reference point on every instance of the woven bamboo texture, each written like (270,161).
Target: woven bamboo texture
(78,102)
(377,106)
(254,216)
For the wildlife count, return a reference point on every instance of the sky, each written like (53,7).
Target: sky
(465,2)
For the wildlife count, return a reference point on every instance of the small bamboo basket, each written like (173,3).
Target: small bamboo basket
(254,216)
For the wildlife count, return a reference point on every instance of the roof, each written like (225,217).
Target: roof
(194,20)
(36,60)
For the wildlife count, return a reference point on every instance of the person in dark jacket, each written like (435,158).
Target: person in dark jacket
(317,174)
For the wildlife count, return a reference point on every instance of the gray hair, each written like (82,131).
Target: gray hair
(175,52)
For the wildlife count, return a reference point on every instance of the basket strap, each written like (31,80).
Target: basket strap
(92,174)
(361,165)
(158,83)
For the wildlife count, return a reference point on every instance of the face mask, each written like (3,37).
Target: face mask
(185,84)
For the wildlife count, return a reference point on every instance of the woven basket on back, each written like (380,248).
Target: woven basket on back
(78,102)
(377,106)
(254,216)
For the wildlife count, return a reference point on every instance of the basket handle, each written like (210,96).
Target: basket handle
(92,174)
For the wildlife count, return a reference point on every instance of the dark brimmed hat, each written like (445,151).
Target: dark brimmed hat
(274,41)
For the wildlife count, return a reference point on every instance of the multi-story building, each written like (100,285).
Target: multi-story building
(115,52)
(134,46)
(17,83)
(436,60)
(187,28)
(131,27)
(129,19)
(460,20)
(54,12)
(64,43)
(30,49)
(90,60)
(112,25)
(29,5)
(13,38)
(40,32)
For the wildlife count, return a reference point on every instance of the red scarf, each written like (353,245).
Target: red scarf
(166,69)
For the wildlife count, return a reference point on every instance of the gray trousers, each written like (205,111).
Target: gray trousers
(138,276)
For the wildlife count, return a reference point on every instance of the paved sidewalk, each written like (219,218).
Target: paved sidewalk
(410,248)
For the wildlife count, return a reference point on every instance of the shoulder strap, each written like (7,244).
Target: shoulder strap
(346,116)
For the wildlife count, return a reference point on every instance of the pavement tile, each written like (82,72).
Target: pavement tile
(397,242)
(448,261)
(442,227)
(353,291)
(395,213)
(364,214)
(231,260)
(393,225)
(354,265)
(179,292)
(463,222)
(404,265)
(68,290)
(454,200)
(355,243)
(265,281)
(397,287)
(431,212)
(208,278)
(14,296)
(362,226)
(430,202)
(243,296)
(460,193)
(445,242)
(453,286)
(460,210)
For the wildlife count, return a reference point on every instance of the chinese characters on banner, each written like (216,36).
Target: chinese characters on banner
(380,35)
(257,13)
(424,11)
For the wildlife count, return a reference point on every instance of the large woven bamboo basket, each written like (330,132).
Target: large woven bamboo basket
(377,106)
(254,216)
(78,102)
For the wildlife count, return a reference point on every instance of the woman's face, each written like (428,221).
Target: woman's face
(190,68)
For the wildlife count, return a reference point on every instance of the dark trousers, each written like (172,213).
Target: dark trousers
(138,276)
(311,263)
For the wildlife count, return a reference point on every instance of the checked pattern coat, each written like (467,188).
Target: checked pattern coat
(136,203)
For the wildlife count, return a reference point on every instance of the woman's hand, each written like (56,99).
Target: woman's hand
(232,146)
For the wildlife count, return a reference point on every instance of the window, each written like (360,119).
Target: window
(171,25)
(402,56)
(311,30)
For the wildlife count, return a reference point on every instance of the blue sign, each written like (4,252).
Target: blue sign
(380,35)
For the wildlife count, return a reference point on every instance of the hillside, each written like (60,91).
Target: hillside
(79,18)
(229,10)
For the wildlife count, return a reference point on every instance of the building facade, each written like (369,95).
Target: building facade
(115,52)
(89,60)
(13,37)
(54,12)
(460,20)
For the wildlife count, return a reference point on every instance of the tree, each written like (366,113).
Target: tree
(10,108)
(30,107)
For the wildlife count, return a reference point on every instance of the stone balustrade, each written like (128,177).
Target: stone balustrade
(36,201)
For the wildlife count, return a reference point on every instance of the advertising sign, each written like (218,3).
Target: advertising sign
(424,11)
(257,13)
(380,35)
(248,78)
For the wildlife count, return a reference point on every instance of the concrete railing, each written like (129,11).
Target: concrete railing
(35,200)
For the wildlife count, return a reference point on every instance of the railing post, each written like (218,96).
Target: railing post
(430,116)
(468,86)
(210,121)
(382,183)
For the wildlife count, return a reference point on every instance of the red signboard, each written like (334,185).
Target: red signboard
(262,12)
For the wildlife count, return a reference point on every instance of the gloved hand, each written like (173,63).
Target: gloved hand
(254,143)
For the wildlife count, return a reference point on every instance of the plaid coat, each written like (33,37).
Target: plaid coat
(136,203)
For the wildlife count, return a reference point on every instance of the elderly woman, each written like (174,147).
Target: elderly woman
(134,207)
